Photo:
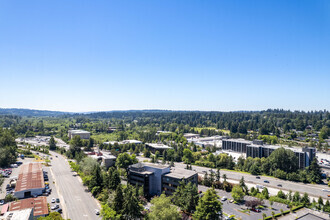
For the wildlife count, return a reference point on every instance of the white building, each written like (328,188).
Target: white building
(83,134)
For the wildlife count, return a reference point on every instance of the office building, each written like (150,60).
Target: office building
(304,156)
(236,145)
(83,134)
(157,147)
(190,135)
(156,178)
(172,180)
(207,141)
(148,176)
(105,158)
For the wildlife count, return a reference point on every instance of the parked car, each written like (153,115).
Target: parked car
(57,200)
(59,210)
(2,202)
(279,185)
(97,212)
(231,201)
(266,181)
(53,200)
(55,207)
(255,210)
(257,177)
(224,198)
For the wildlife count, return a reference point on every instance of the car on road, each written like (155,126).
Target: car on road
(266,181)
(53,200)
(279,185)
(56,156)
(325,190)
(57,200)
(231,201)
(223,198)
(97,212)
(2,202)
(257,177)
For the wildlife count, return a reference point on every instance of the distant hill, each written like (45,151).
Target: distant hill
(30,112)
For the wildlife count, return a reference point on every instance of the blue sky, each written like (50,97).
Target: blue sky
(179,55)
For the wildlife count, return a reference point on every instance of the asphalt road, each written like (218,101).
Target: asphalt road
(77,204)
(314,190)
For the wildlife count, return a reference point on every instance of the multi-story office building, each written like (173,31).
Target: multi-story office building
(305,156)
(172,180)
(156,178)
(256,148)
(81,133)
(236,145)
(148,176)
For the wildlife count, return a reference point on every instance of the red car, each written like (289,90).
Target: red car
(255,210)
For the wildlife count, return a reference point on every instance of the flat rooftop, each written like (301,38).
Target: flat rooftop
(38,204)
(180,173)
(23,214)
(240,140)
(188,135)
(277,146)
(79,131)
(155,165)
(30,177)
(159,146)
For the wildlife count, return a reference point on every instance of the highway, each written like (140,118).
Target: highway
(313,190)
(77,203)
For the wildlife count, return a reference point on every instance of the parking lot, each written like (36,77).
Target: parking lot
(241,211)
(53,197)
(14,174)
(51,192)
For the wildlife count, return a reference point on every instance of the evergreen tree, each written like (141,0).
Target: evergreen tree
(209,206)
(131,206)
(52,143)
(186,196)
(217,176)
(90,144)
(243,186)
(114,179)
(118,202)
(305,199)
(314,172)
(265,193)
(320,202)
(162,209)
(296,197)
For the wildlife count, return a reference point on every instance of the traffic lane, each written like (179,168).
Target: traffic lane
(313,190)
(79,203)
